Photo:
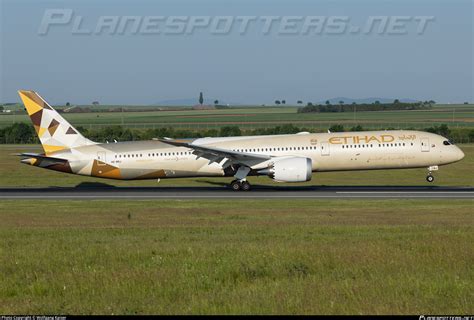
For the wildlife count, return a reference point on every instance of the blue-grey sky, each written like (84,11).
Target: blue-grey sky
(245,68)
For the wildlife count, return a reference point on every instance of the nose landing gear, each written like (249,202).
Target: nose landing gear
(430,177)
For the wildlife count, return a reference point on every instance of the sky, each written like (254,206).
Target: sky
(253,67)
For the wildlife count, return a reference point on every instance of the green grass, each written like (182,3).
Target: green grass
(239,257)
(267,116)
(15,174)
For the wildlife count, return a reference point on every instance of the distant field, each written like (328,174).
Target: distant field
(13,173)
(256,117)
(239,257)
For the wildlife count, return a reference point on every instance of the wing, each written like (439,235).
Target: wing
(214,154)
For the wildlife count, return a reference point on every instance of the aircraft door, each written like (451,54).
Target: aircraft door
(325,149)
(425,144)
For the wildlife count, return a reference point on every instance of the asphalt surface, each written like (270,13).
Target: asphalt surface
(221,192)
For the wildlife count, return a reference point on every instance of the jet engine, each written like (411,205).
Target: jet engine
(293,169)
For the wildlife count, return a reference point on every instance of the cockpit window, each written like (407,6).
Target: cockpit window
(447,143)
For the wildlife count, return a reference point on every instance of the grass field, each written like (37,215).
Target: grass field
(256,117)
(15,174)
(367,257)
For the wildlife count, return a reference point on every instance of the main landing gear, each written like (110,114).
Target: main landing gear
(240,185)
(430,177)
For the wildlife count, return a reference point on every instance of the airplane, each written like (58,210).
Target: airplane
(284,158)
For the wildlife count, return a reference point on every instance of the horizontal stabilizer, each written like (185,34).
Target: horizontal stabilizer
(39,156)
(41,160)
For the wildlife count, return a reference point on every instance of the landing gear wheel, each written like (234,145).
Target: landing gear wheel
(235,185)
(430,178)
(245,186)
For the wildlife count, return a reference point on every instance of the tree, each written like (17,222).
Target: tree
(309,104)
(466,102)
(337,128)
(277,102)
(443,130)
(357,128)
(283,101)
(1,108)
(287,129)
(377,102)
(432,102)
(20,132)
(230,132)
(341,102)
(471,135)
(127,135)
(396,101)
(328,103)
(201,98)
(95,103)
(67,104)
(299,102)
(216,102)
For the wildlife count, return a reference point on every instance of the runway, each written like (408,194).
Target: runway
(257,192)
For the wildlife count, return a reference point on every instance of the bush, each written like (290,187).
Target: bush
(230,132)
(18,133)
(337,128)
(442,130)
(25,133)
(357,128)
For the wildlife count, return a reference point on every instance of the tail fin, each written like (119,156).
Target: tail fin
(54,132)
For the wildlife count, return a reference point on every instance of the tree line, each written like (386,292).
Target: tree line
(377,106)
(23,133)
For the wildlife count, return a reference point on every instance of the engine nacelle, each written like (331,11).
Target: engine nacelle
(290,169)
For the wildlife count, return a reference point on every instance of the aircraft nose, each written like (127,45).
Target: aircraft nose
(460,154)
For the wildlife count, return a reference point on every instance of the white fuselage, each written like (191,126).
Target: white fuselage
(327,151)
